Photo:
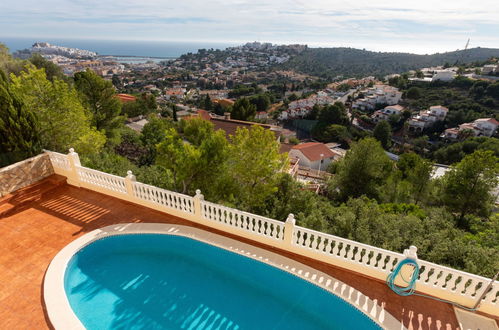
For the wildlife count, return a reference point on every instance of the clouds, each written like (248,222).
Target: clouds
(421,26)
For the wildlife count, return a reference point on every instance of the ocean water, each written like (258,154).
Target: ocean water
(161,49)
(153,281)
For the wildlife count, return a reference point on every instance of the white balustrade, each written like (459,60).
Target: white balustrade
(442,282)
(59,161)
(346,250)
(243,220)
(100,179)
(163,197)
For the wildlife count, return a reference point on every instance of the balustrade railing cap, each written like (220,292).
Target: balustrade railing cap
(411,252)
(291,219)
(198,194)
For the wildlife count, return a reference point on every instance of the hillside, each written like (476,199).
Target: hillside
(331,62)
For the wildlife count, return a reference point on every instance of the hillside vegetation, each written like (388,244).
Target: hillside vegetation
(331,62)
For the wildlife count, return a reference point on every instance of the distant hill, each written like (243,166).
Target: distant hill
(351,62)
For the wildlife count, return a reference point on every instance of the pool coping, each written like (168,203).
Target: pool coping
(61,314)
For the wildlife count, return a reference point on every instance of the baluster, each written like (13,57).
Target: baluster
(238,220)
(349,254)
(461,285)
(374,259)
(442,280)
(329,246)
(432,279)
(301,239)
(307,241)
(359,257)
(491,296)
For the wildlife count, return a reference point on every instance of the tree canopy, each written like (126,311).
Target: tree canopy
(99,96)
(19,127)
(363,171)
(63,121)
(468,186)
(243,109)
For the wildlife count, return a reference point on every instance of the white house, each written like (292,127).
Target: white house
(443,75)
(427,118)
(490,68)
(378,94)
(314,155)
(385,113)
(480,127)
(486,126)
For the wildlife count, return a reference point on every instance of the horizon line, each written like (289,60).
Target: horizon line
(234,43)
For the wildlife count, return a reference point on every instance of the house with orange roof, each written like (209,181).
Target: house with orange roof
(314,155)
(125,98)
(480,127)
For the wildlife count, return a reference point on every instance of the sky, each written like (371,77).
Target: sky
(417,26)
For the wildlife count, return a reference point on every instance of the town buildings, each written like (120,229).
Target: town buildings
(384,114)
(313,155)
(426,118)
(480,127)
(377,95)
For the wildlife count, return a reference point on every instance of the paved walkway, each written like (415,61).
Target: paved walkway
(35,226)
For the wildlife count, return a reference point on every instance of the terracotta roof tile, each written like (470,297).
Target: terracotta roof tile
(313,150)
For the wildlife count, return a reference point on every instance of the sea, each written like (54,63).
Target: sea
(126,51)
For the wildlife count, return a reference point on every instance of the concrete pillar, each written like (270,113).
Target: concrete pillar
(289,229)
(129,179)
(74,162)
(198,198)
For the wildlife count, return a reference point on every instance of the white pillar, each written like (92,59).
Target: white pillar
(74,162)
(289,229)
(198,198)
(129,179)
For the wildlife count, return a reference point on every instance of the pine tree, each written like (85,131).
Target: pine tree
(19,137)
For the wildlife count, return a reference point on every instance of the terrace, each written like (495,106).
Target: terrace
(38,220)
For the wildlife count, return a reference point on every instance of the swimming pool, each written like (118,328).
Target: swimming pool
(157,281)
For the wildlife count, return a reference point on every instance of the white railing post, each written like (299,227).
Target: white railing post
(289,229)
(407,270)
(129,179)
(198,215)
(74,161)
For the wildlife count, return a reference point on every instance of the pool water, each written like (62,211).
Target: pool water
(155,281)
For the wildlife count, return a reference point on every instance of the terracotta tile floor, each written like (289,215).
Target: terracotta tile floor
(34,231)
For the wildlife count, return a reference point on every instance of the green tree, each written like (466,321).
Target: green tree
(332,133)
(63,120)
(7,63)
(207,104)
(52,70)
(192,166)
(144,105)
(414,93)
(19,129)
(261,101)
(333,114)
(99,96)
(254,167)
(363,171)
(467,187)
(242,109)
(383,133)
(416,171)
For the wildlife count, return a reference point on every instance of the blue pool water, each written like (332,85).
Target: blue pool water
(153,281)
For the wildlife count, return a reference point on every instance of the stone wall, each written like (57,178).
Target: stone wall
(24,173)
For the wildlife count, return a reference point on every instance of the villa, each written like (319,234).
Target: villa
(426,118)
(74,238)
(378,94)
(385,113)
(479,127)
